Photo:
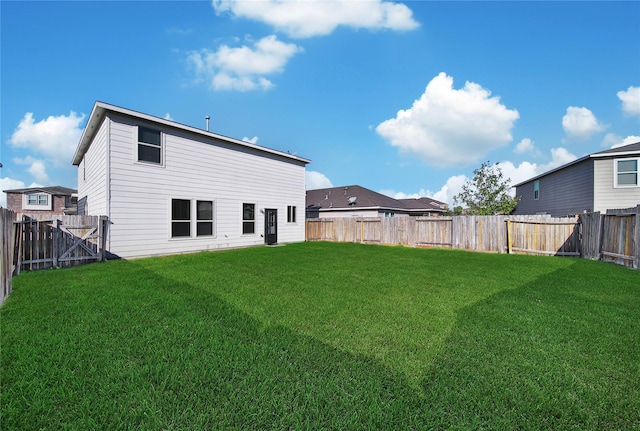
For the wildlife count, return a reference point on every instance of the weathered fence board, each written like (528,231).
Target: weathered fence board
(61,241)
(7,241)
(614,236)
(621,237)
(549,236)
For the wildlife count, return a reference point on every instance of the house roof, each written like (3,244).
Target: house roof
(100,110)
(357,197)
(424,204)
(625,150)
(53,190)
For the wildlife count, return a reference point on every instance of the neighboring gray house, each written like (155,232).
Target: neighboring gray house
(169,188)
(596,182)
(356,201)
(42,201)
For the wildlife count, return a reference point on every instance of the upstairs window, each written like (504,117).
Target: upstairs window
(149,145)
(626,174)
(38,199)
(536,190)
(248,218)
(291,214)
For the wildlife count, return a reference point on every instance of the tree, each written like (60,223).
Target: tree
(487,193)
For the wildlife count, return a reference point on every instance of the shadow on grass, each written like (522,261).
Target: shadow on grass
(553,354)
(156,353)
(166,355)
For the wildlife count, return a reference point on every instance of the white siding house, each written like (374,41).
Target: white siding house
(168,188)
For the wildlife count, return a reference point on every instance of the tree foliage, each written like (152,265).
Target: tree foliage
(487,193)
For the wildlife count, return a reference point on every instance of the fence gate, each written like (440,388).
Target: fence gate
(61,242)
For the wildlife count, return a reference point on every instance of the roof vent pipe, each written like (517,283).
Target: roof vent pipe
(207,118)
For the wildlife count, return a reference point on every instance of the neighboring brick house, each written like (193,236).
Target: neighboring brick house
(43,201)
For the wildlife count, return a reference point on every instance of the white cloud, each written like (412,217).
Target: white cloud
(7,183)
(253,140)
(580,123)
(54,137)
(630,101)
(168,116)
(242,68)
(304,18)
(525,146)
(452,187)
(36,168)
(316,180)
(611,140)
(446,126)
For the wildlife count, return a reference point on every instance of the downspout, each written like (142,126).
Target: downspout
(108,182)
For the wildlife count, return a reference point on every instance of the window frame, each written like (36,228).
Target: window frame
(616,172)
(38,204)
(194,219)
(160,146)
(536,190)
(204,221)
(291,214)
(246,222)
(181,220)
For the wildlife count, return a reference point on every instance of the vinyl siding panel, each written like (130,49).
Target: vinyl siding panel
(196,168)
(564,192)
(92,174)
(606,195)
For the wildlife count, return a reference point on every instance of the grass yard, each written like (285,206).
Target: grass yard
(324,336)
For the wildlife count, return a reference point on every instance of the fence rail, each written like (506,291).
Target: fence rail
(60,241)
(613,236)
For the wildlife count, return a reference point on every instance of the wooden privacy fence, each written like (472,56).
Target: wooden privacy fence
(613,236)
(60,241)
(478,233)
(7,238)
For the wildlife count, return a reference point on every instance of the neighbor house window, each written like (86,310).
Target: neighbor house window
(291,214)
(626,173)
(536,190)
(180,218)
(149,145)
(186,213)
(248,218)
(38,199)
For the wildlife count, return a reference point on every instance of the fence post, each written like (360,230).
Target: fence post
(56,242)
(102,237)
(508,235)
(636,239)
(600,234)
(19,226)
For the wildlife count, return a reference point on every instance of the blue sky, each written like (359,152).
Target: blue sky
(405,98)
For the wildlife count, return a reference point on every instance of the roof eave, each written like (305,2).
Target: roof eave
(99,111)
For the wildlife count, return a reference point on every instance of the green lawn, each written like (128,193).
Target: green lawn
(324,336)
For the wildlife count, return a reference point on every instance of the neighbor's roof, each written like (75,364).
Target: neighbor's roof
(100,110)
(53,190)
(424,204)
(357,197)
(625,150)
